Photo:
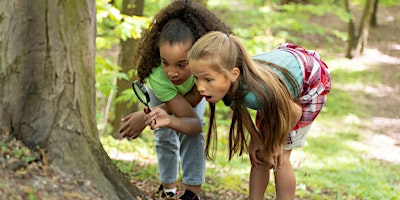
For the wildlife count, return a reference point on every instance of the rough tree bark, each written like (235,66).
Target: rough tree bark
(130,7)
(47,51)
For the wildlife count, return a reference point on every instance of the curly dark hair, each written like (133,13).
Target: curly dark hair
(195,16)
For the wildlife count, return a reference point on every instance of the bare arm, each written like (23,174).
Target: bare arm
(296,112)
(193,97)
(184,118)
(255,146)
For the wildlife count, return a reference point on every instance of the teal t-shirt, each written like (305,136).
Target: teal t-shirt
(163,88)
(288,61)
(284,59)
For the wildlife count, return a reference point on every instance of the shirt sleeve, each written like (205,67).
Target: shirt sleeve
(161,86)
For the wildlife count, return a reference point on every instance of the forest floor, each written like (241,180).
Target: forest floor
(35,179)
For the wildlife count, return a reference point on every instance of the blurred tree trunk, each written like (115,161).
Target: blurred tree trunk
(351,31)
(265,3)
(364,27)
(283,2)
(47,101)
(201,2)
(374,20)
(357,46)
(130,7)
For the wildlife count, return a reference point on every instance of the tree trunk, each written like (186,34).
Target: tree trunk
(47,53)
(266,3)
(351,31)
(364,27)
(284,2)
(374,19)
(358,41)
(201,2)
(125,61)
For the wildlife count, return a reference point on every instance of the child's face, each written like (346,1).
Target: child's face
(174,61)
(211,84)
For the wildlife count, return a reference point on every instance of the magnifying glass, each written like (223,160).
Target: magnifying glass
(142,94)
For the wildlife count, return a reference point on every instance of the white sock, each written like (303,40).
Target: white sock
(173,190)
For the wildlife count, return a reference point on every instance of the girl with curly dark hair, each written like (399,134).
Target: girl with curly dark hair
(177,108)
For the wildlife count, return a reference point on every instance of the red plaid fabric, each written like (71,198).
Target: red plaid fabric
(316,83)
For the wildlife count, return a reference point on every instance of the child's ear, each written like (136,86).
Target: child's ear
(235,73)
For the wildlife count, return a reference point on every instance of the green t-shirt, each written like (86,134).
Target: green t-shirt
(163,88)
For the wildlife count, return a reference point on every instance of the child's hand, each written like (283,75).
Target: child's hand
(255,152)
(278,159)
(157,118)
(133,125)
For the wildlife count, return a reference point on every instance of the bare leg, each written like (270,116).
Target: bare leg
(285,179)
(259,179)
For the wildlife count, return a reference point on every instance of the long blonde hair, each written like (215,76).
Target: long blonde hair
(224,52)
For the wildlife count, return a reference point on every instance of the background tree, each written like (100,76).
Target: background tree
(47,93)
(374,19)
(358,40)
(351,42)
(123,108)
(283,2)
(201,2)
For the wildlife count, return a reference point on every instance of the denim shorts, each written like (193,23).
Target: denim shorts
(175,149)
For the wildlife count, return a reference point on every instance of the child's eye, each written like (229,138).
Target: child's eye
(182,65)
(164,62)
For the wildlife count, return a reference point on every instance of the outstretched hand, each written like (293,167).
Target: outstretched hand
(157,118)
(133,125)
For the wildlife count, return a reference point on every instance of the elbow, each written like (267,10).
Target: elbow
(189,126)
(197,129)
(297,111)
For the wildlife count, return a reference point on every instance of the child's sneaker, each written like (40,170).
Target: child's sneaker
(165,195)
(189,195)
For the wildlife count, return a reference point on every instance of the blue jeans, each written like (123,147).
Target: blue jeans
(173,147)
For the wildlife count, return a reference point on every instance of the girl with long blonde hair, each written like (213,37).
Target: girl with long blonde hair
(288,87)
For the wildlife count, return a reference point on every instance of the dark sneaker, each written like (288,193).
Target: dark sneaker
(169,196)
(189,195)
(165,195)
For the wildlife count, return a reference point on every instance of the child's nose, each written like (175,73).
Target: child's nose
(172,72)
(200,88)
